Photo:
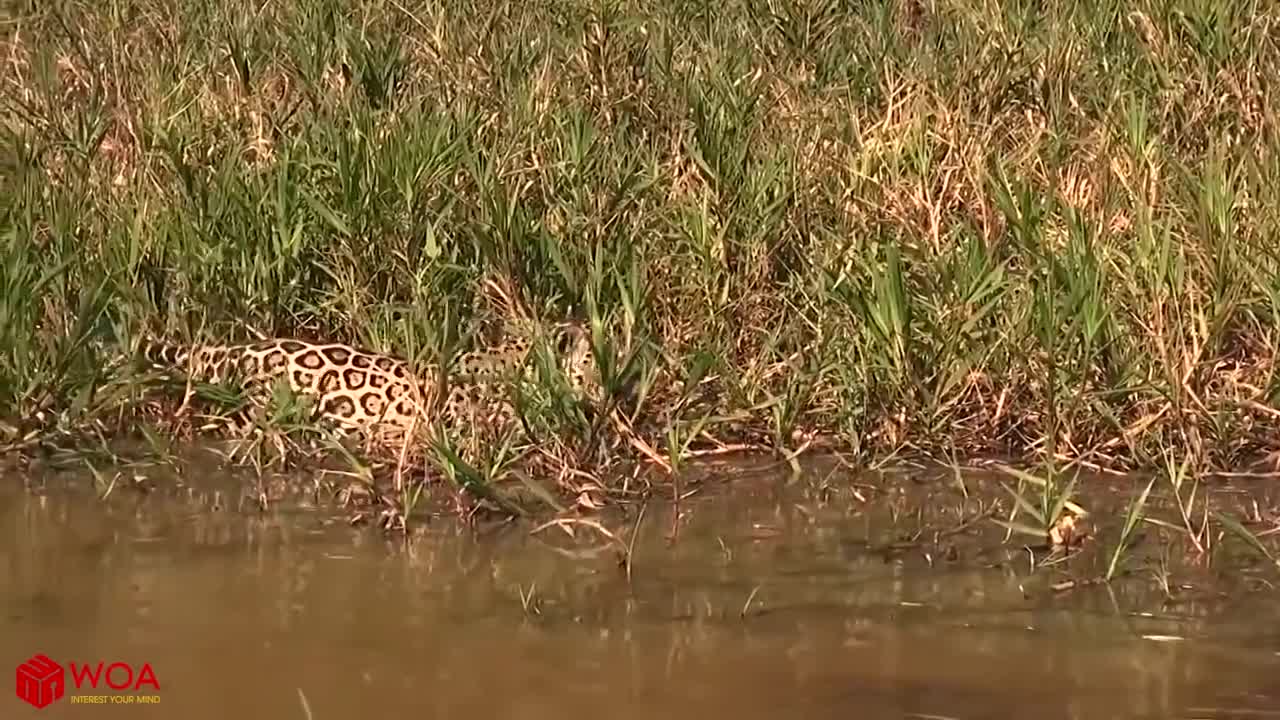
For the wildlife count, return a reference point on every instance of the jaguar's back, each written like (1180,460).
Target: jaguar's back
(361,390)
(353,387)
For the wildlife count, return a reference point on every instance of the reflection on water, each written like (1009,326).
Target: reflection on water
(769,605)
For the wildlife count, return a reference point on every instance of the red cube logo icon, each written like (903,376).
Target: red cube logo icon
(40,681)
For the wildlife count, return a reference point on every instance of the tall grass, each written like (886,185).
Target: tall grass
(1010,227)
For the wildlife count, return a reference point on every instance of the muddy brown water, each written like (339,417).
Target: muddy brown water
(818,596)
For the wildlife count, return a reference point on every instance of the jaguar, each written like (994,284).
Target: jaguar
(374,394)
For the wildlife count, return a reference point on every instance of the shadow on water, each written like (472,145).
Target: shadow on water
(834,595)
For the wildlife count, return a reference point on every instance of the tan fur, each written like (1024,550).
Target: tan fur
(362,391)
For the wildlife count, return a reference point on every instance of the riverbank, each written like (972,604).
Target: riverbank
(951,228)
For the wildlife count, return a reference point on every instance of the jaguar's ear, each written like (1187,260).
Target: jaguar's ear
(565,336)
(577,317)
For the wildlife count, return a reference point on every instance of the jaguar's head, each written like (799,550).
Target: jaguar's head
(572,344)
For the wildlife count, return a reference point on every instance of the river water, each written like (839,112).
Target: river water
(777,597)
